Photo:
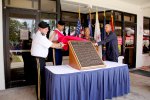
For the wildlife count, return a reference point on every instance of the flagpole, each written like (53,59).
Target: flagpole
(79,14)
(89,22)
(96,10)
(104,13)
(112,12)
(112,21)
(104,35)
(104,23)
(78,28)
(90,14)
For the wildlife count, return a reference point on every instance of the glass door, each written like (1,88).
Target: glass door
(21,18)
(22,66)
(146,35)
(130,40)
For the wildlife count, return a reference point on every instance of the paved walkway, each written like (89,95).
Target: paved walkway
(140,90)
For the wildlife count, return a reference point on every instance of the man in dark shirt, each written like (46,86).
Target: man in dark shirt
(111,44)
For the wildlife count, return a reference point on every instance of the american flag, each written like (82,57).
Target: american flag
(78,28)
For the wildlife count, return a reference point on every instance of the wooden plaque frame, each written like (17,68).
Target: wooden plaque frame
(74,61)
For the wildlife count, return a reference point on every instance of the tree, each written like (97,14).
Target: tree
(14,26)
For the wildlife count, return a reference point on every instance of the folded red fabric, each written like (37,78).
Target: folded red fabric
(65,39)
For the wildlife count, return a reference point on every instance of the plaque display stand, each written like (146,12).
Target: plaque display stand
(83,55)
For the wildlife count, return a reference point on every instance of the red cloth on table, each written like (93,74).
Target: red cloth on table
(65,39)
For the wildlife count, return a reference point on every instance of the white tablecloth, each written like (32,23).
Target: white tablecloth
(66,69)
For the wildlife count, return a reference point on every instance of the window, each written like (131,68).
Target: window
(50,19)
(72,28)
(118,16)
(130,26)
(67,29)
(29,4)
(48,5)
(146,35)
(70,17)
(118,31)
(129,35)
(129,18)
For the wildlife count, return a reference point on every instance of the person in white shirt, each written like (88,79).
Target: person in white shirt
(39,49)
(54,37)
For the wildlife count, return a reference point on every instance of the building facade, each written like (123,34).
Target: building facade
(33,11)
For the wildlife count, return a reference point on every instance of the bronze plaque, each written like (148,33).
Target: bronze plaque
(85,54)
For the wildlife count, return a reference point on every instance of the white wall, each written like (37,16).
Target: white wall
(111,4)
(2,79)
(146,12)
(139,60)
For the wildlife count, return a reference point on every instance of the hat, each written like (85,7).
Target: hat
(61,22)
(43,24)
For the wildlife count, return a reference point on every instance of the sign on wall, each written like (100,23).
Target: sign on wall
(24,34)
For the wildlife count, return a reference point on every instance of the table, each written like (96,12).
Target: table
(65,83)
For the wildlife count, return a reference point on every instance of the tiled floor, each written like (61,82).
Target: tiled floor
(140,90)
(20,93)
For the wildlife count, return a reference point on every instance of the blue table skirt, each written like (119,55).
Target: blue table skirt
(91,85)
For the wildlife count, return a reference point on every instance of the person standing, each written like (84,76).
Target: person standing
(111,43)
(29,62)
(39,50)
(87,34)
(54,38)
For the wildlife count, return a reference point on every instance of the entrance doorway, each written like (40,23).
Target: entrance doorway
(21,66)
(20,22)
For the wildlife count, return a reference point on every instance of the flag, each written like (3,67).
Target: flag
(103,37)
(78,28)
(90,27)
(97,34)
(112,23)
